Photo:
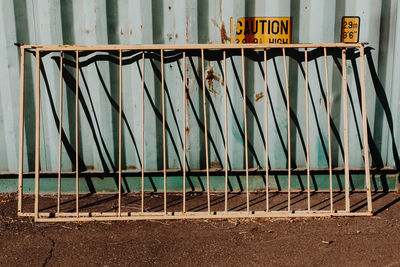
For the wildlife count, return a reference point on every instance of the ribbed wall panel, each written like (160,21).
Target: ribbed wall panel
(179,22)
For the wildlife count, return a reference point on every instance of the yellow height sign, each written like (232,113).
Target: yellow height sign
(271,30)
(350,29)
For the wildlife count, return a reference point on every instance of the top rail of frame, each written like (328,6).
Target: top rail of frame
(185,46)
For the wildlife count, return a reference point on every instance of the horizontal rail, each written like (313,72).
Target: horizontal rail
(221,171)
(136,216)
(184,46)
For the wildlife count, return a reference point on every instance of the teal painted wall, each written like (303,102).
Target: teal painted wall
(179,22)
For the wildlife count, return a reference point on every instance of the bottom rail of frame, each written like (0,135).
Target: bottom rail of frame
(133,216)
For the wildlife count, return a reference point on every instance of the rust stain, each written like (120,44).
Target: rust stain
(176,35)
(210,77)
(87,31)
(187,110)
(224,36)
(215,164)
(130,32)
(259,96)
(141,28)
(222,29)
(121,32)
(187,30)
(169,8)
(187,129)
(212,90)
(215,23)
(131,167)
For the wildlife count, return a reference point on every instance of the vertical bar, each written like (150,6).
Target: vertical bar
(225,133)
(77,132)
(37,134)
(21,129)
(163,127)
(346,133)
(328,112)
(307,132)
(184,131)
(142,194)
(365,132)
(205,130)
(266,133)
(288,126)
(59,134)
(120,135)
(245,134)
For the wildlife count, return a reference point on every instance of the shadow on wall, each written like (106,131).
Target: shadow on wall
(109,161)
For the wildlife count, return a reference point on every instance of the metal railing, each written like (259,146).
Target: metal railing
(262,49)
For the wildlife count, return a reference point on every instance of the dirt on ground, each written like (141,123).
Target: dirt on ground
(337,241)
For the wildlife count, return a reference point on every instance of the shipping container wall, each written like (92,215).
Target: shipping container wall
(92,22)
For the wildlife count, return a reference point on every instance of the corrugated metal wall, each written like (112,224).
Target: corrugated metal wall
(178,22)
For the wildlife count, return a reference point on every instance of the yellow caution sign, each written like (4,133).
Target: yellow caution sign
(270,30)
(350,29)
